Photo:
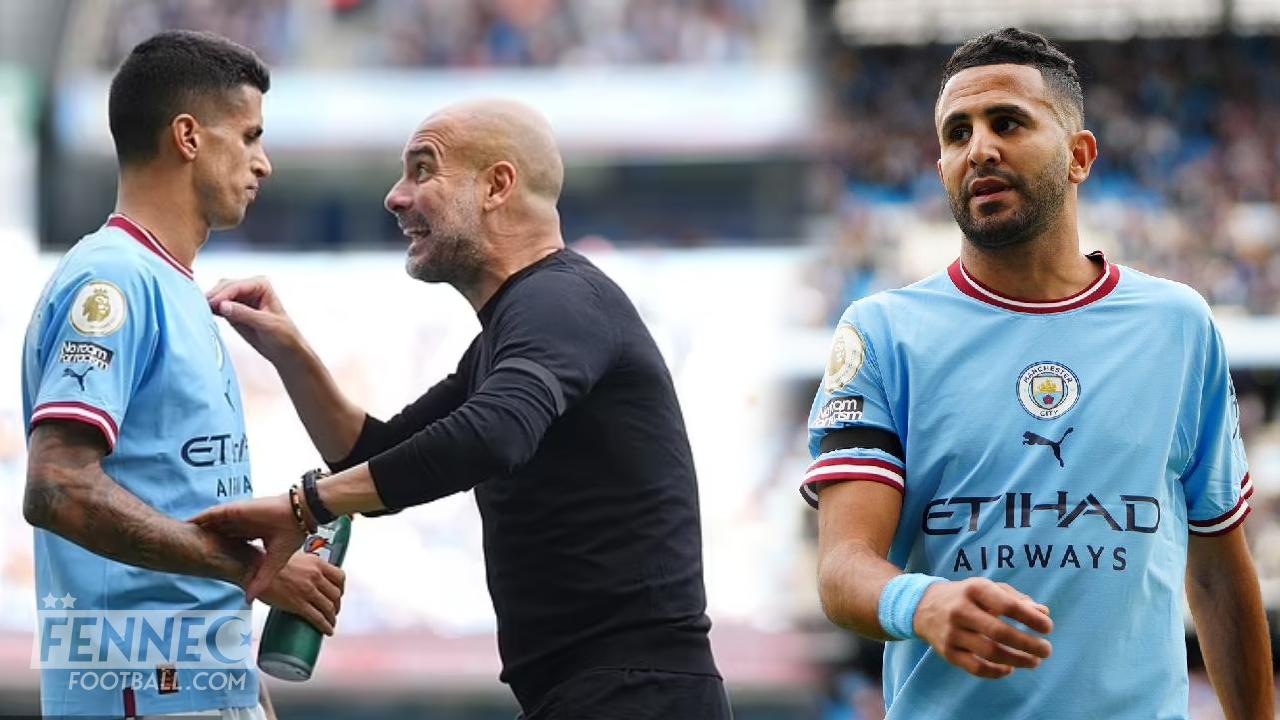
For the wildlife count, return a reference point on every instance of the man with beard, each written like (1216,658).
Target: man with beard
(1034,429)
(561,416)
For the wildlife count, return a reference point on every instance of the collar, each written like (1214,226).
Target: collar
(1100,288)
(148,240)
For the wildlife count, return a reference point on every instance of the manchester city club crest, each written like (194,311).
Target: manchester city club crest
(1048,390)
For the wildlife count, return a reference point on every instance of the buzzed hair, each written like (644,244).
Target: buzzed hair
(170,73)
(1019,47)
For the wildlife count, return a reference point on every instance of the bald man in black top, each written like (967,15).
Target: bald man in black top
(561,415)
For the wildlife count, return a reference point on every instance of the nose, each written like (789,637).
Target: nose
(984,148)
(398,199)
(262,166)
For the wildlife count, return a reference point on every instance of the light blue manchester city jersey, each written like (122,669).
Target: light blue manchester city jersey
(123,339)
(1068,448)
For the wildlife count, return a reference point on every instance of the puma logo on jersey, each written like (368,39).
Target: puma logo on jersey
(68,372)
(1030,438)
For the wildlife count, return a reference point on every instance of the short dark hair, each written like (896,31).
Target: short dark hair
(1019,47)
(166,75)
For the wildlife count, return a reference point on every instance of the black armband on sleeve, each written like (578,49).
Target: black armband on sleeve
(866,438)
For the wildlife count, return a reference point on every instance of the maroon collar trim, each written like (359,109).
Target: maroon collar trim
(148,240)
(1102,287)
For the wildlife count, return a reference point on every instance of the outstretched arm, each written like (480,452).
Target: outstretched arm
(252,307)
(341,431)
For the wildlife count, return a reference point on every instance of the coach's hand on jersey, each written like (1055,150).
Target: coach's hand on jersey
(255,311)
(962,621)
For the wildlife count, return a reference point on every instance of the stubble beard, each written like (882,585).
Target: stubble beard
(1043,198)
(452,254)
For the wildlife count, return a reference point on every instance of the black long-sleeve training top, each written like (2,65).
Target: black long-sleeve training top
(563,418)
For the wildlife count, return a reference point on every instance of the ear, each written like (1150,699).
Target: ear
(1084,150)
(184,130)
(502,183)
(939,165)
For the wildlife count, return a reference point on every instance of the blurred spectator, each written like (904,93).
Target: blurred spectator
(466,33)
(263,25)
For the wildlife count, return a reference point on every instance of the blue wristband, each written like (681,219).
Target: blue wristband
(898,603)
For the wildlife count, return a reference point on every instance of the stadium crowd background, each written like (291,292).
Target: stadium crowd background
(744,168)
(462,34)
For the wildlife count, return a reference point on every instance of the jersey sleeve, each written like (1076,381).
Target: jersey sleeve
(96,338)
(1216,483)
(377,435)
(852,434)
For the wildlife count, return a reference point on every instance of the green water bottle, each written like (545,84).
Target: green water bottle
(290,645)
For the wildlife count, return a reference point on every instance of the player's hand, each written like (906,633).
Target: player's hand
(310,588)
(268,518)
(255,311)
(962,621)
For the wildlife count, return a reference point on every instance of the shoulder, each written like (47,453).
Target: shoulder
(98,285)
(877,314)
(564,286)
(565,298)
(107,255)
(565,274)
(1164,296)
(103,276)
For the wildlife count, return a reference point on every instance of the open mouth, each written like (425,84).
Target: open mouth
(416,233)
(988,187)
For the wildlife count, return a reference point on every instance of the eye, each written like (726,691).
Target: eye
(958,133)
(420,172)
(1005,124)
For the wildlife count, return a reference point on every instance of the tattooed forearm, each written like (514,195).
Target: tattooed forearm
(68,493)
(42,502)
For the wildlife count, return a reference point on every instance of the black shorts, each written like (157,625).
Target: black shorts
(621,694)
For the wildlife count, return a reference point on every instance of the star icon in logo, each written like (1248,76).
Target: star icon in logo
(246,639)
(50,601)
(68,600)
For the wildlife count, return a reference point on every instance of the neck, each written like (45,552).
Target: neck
(509,256)
(157,205)
(1047,267)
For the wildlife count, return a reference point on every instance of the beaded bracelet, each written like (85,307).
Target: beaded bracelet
(296,503)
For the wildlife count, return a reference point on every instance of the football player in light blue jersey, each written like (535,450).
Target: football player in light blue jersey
(1018,462)
(132,406)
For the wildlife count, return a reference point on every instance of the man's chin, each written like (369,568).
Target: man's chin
(419,270)
(229,220)
(994,236)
